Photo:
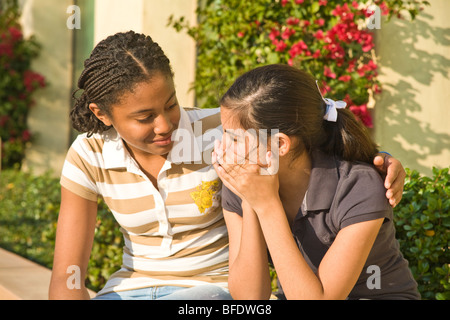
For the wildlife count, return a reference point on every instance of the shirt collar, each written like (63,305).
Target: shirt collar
(322,183)
(185,148)
(114,151)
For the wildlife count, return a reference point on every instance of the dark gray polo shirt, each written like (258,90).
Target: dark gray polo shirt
(340,194)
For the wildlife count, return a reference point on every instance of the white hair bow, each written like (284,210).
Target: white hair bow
(332,106)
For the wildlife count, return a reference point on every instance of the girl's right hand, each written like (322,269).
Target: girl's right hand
(256,184)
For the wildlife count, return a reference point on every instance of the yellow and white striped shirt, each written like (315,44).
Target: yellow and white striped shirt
(174,236)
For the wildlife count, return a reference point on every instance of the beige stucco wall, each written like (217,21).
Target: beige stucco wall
(412,115)
(48,119)
(180,48)
(151,17)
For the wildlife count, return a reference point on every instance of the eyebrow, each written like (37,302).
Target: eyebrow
(151,109)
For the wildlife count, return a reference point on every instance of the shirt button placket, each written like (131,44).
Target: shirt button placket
(164,225)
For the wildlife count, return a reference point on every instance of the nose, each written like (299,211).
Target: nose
(163,125)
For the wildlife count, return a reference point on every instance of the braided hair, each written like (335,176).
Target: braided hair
(114,67)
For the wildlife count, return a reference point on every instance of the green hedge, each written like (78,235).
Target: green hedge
(29,206)
(422,223)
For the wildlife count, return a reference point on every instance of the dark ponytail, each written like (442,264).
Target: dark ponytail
(348,139)
(286,98)
(114,67)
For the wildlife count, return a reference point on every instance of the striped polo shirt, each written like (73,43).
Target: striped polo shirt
(175,235)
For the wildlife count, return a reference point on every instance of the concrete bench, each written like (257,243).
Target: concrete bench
(22,279)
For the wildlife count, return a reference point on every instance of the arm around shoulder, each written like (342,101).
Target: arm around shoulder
(74,238)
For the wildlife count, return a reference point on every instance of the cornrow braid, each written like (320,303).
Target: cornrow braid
(114,67)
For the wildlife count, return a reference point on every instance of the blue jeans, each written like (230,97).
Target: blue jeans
(203,292)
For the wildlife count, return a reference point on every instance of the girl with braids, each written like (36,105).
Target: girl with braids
(167,205)
(150,161)
(314,202)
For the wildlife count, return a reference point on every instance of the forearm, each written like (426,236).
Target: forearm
(249,276)
(68,275)
(295,275)
(74,238)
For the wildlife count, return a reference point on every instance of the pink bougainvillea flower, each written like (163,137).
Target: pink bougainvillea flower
(31,80)
(384,8)
(345,78)
(3,120)
(365,68)
(26,135)
(328,73)
(320,22)
(16,34)
(298,48)
(274,33)
(292,21)
(316,54)
(280,45)
(344,12)
(305,23)
(319,34)
(377,88)
(6,49)
(362,113)
(287,33)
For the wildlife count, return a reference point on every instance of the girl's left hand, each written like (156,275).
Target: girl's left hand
(254,182)
(395,176)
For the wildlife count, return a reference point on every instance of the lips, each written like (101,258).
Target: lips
(163,141)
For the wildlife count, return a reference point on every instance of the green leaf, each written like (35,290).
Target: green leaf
(315,7)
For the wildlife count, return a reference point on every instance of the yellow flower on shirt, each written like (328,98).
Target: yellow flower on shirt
(205,194)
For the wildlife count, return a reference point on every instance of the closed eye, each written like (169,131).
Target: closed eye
(146,119)
(173,106)
(152,115)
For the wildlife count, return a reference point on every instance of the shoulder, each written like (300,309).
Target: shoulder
(352,170)
(353,174)
(90,149)
(360,194)
(86,146)
(81,166)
